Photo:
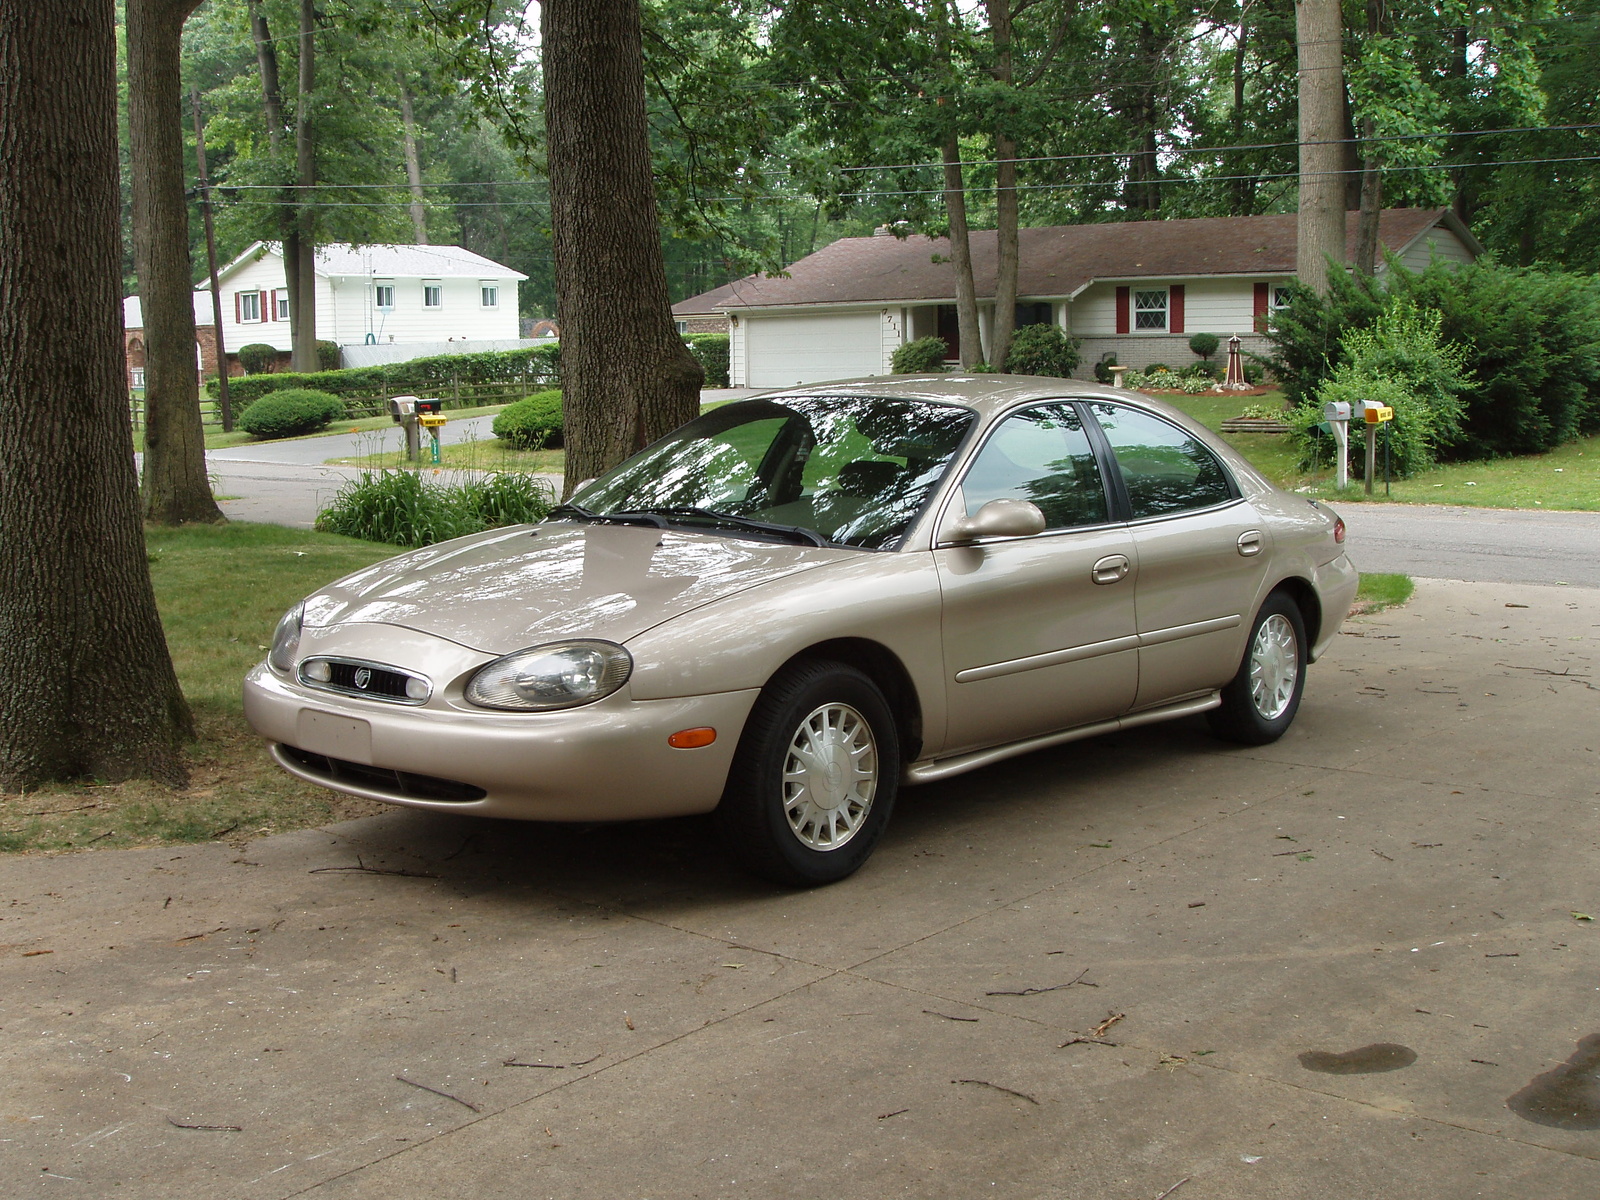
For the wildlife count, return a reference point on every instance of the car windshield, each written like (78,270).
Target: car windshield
(847,470)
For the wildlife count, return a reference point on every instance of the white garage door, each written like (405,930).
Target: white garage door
(786,350)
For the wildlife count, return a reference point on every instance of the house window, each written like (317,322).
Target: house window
(1150,309)
(490,293)
(280,304)
(683,327)
(383,294)
(432,294)
(138,376)
(249,304)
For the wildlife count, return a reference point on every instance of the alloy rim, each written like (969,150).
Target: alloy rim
(1274,667)
(830,776)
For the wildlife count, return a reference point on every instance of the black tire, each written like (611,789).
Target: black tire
(781,829)
(1254,709)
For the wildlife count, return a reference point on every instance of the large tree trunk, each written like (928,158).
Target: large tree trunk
(176,489)
(1371,171)
(627,377)
(303,306)
(1242,186)
(1005,194)
(419,209)
(970,333)
(1321,223)
(86,684)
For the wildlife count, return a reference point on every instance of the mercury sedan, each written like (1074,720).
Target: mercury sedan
(795,604)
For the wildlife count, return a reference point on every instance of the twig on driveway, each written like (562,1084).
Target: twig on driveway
(1039,991)
(207,1128)
(361,866)
(948,1017)
(1174,1187)
(437,1092)
(998,1088)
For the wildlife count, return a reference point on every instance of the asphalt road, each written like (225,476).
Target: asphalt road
(1485,545)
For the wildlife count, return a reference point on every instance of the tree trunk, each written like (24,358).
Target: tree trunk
(1371,171)
(1242,187)
(408,122)
(272,110)
(1321,221)
(1005,194)
(970,333)
(303,308)
(86,684)
(627,378)
(176,489)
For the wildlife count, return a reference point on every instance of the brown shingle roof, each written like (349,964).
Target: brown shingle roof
(1056,260)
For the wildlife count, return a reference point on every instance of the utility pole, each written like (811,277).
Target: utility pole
(1318,31)
(223,399)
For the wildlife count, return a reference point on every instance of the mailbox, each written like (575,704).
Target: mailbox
(401,407)
(430,406)
(1336,410)
(1376,413)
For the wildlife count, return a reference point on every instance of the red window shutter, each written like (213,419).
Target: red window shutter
(1259,312)
(1175,308)
(273,310)
(264,297)
(238,308)
(1124,298)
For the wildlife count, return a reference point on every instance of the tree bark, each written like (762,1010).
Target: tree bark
(86,684)
(419,211)
(303,306)
(1005,194)
(969,332)
(1321,217)
(1242,187)
(627,378)
(1371,171)
(176,489)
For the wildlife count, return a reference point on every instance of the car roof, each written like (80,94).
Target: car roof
(985,393)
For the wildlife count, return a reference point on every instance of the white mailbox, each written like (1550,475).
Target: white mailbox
(1336,410)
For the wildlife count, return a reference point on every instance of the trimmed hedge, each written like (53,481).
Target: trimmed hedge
(532,365)
(925,356)
(257,358)
(290,413)
(327,355)
(1042,350)
(532,424)
(1204,345)
(710,350)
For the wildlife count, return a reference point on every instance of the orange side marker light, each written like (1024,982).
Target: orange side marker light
(693,739)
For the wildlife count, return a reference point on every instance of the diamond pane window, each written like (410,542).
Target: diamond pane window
(1150,309)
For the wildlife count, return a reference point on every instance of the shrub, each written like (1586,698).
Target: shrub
(1402,361)
(1102,369)
(327,355)
(405,509)
(290,413)
(532,365)
(710,350)
(1204,345)
(532,424)
(925,356)
(1154,367)
(257,358)
(1042,350)
(1203,370)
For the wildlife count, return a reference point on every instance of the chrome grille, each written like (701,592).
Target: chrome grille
(357,677)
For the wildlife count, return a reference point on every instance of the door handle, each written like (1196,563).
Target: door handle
(1110,568)
(1250,542)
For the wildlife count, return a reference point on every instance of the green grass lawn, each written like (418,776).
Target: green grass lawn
(481,454)
(217,440)
(1566,478)
(221,590)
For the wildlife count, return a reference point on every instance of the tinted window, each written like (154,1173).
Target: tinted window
(1043,456)
(1165,469)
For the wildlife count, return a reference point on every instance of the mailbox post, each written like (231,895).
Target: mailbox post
(1375,414)
(403,409)
(1337,414)
(431,418)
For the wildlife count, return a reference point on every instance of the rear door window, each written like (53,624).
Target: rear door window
(1164,468)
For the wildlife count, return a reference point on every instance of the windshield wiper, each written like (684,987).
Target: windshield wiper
(729,520)
(577,512)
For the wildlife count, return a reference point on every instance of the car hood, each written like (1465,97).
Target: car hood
(502,591)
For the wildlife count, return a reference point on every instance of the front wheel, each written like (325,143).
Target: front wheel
(1259,703)
(814,778)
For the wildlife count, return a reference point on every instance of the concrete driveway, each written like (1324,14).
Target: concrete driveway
(1089,973)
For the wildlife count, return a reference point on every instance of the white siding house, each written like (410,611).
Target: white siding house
(1137,290)
(373,295)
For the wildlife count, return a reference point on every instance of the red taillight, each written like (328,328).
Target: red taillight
(1338,531)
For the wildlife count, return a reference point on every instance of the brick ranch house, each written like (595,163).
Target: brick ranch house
(1134,289)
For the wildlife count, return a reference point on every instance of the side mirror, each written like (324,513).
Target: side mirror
(998,518)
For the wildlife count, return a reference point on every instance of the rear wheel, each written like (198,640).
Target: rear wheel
(814,778)
(1260,702)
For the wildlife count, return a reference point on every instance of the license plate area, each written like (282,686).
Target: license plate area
(348,738)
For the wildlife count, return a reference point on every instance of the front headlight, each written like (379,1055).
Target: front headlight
(560,675)
(286,639)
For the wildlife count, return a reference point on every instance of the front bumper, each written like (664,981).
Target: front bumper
(607,761)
